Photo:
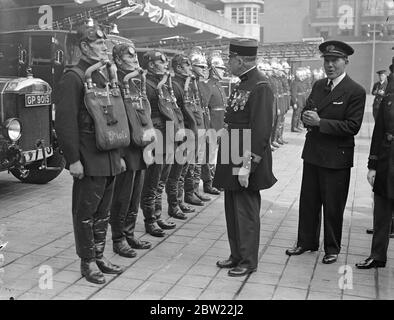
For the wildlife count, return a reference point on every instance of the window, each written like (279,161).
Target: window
(245,15)
(234,15)
(248,19)
(324,8)
(373,7)
(255,16)
(241,16)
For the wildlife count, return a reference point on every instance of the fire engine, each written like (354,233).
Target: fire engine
(31,64)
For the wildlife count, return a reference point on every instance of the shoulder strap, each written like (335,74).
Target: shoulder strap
(151,83)
(78,71)
(177,85)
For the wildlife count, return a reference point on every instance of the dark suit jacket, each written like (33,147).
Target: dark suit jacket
(249,108)
(378,96)
(75,128)
(341,111)
(381,156)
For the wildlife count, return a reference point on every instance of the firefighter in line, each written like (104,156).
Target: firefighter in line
(128,185)
(201,74)
(280,107)
(298,97)
(193,117)
(156,63)
(216,101)
(93,171)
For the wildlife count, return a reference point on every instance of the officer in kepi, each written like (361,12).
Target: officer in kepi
(93,170)
(248,117)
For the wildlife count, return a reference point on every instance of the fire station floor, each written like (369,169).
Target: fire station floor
(36,223)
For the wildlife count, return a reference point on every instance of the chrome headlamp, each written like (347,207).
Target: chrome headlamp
(12,129)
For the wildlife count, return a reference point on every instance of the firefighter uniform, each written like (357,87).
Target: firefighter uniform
(249,107)
(91,195)
(298,99)
(154,225)
(128,185)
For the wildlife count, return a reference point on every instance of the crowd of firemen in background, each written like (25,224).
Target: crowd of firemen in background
(291,90)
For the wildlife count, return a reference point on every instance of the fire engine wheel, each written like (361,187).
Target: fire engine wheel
(36,176)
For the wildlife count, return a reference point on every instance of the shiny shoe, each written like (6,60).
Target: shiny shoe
(275,144)
(194,200)
(330,258)
(185,208)
(123,249)
(370,263)
(211,190)
(226,264)
(154,230)
(296,251)
(240,271)
(138,244)
(106,266)
(91,272)
(369,231)
(177,214)
(165,225)
(202,197)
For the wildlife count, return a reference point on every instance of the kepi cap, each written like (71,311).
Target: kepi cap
(243,47)
(336,48)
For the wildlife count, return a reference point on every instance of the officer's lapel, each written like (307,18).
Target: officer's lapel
(338,91)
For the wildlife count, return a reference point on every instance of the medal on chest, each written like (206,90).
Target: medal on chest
(238,99)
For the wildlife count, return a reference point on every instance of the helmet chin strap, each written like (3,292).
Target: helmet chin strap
(215,73)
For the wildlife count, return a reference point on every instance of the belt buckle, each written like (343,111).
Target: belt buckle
(390,137)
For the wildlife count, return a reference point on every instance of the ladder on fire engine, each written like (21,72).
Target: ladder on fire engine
(104,14)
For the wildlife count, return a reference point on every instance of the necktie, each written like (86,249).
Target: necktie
(329,86)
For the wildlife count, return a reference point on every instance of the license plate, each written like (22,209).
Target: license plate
(35,155)
(35,100)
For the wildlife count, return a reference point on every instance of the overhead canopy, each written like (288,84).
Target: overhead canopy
(150,20)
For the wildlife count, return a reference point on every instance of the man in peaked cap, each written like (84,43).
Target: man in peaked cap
(378,91)
(333,115)
(249,112)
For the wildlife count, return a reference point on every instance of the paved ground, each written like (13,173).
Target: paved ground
(36,221)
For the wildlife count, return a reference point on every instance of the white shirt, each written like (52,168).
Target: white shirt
(337,80)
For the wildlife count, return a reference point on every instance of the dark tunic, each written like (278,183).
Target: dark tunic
(332,144)
(249,107)
(75,128)
(382,150)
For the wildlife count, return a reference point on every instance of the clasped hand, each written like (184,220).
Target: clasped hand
(311,118)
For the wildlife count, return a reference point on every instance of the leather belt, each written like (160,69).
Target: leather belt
(218,109)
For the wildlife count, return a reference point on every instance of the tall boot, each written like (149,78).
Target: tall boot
(100,227)
(91,272)
(129,228)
